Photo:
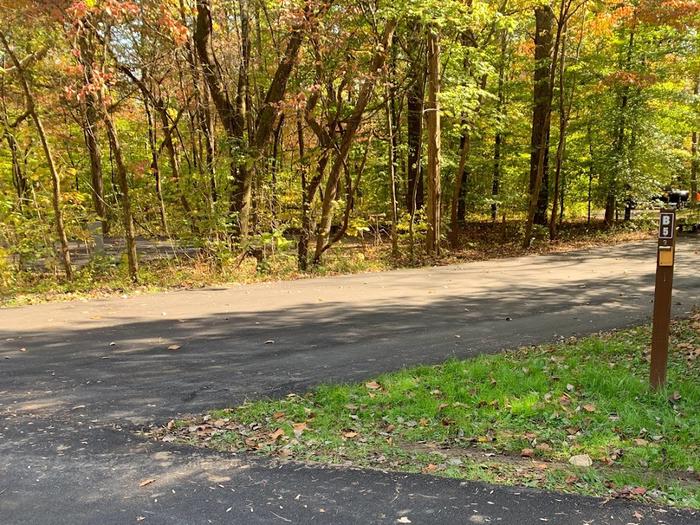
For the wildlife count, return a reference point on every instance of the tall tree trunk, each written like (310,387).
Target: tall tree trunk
(414,124)
(591,173)
(96,179)
(539,160)
(695,159)
(323,241)
(498,141)
(561,148)
(174,159)
(230,116)
(391,163)
(55,177)
(619,146)
(155,165)
(19,179)
(123,181)
(90,120)
(275,166)
(562,19)
(434,206)
(303,244)
(459,203)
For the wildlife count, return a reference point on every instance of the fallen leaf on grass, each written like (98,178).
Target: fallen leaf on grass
(589,408)
(299,428)
(349,434)
(428,469)
(146,482)
(373,385)
(527,453)
(276,435)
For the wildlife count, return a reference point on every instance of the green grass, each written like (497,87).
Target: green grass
(474,419)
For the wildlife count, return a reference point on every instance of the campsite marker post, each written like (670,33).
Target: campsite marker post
(662,298)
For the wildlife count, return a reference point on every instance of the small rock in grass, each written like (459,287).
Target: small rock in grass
(583,460)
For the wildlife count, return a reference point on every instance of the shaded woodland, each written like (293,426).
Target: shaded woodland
(234,125)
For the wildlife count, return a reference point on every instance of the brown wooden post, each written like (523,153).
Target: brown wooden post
(662,298)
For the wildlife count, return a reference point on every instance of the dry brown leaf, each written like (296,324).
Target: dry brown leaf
(276,435)
(146,482)
(373,385)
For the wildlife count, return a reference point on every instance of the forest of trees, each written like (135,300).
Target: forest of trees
(227,123)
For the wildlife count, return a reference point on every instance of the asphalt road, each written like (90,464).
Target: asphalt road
(75,378)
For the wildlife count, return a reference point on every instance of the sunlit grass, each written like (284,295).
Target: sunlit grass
(550,403)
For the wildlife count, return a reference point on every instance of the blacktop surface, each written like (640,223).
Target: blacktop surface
(76,379)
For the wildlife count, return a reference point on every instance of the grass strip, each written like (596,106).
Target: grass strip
(519,418)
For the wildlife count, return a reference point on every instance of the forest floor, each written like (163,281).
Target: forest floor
(165,266)
(576,417)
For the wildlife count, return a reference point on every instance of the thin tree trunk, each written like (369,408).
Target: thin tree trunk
(414,124)
(303,245)
(174,159)
(391,165)
(499,139)
(155,165)
(55,177)
(695,160)
(122,180)
(90,120)
(564,13)
(19,179)
(275,166)
(323,241)
(561,148)
(611,199)
(434,150)
(459,194)
(539,169)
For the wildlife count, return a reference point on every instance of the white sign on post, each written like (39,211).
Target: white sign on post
(667,226)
